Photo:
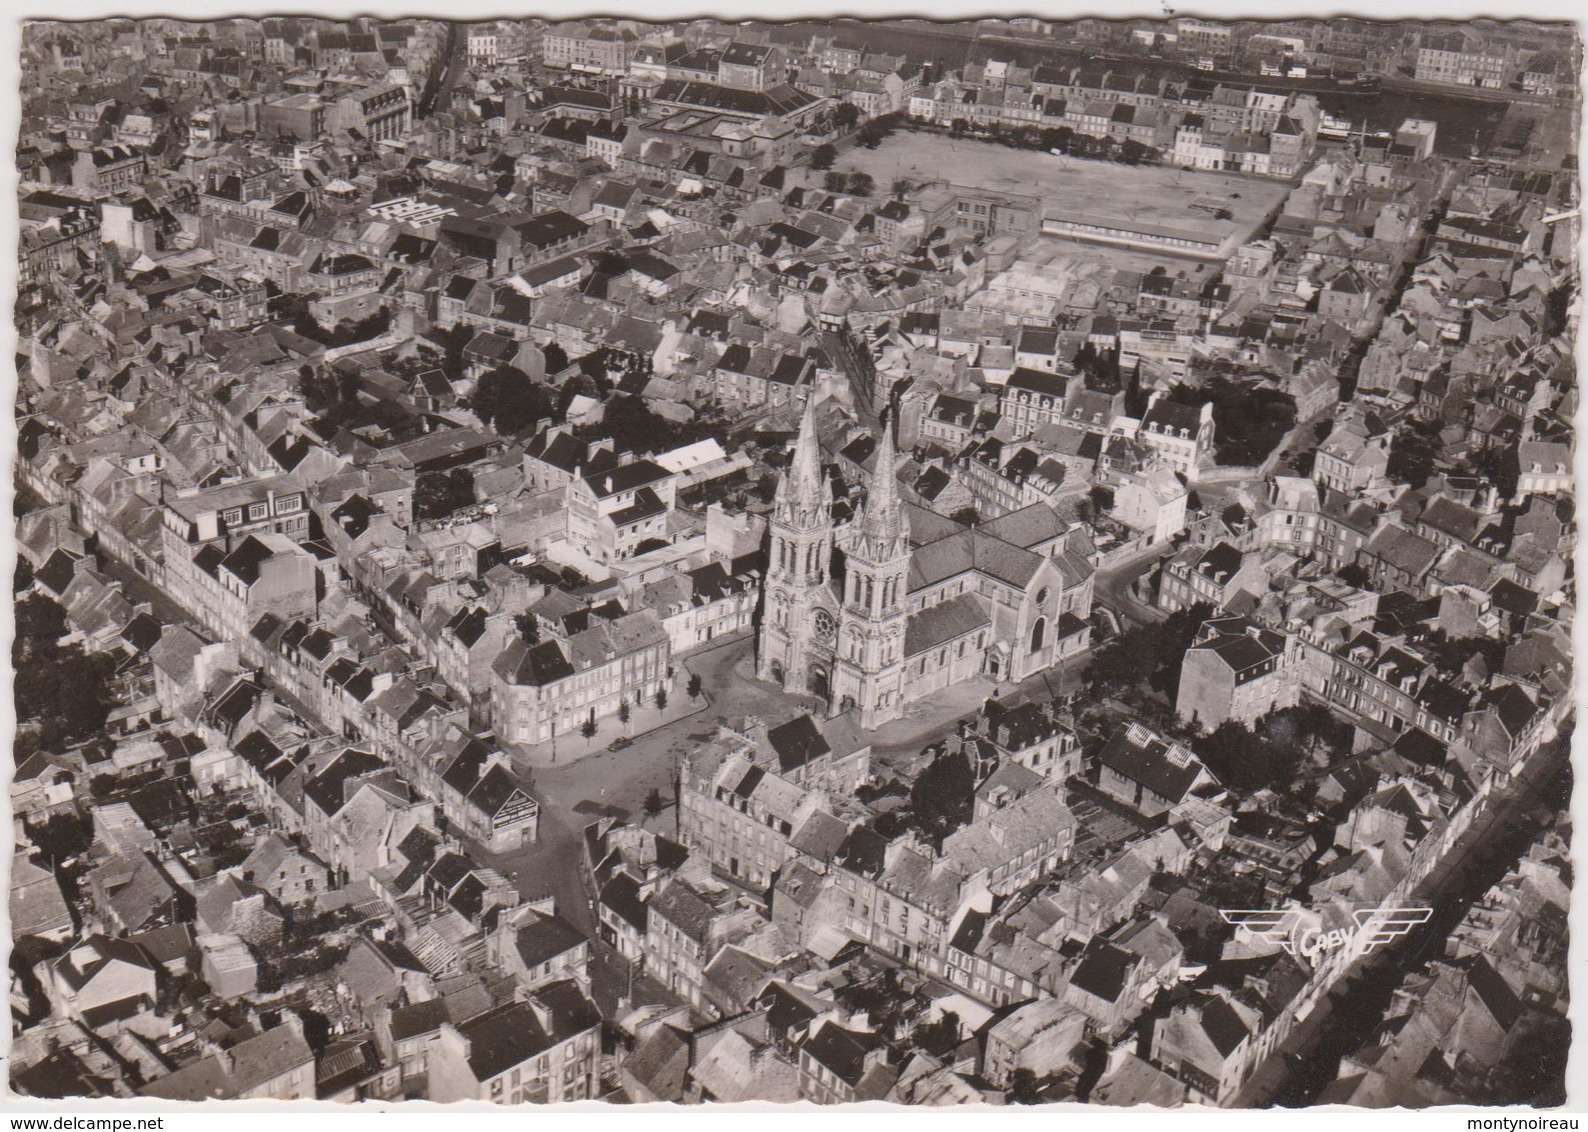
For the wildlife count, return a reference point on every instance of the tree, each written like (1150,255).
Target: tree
(1557,308)
(611,262)
(1355,574)
(654,803)
(660,699)
(1024,1087)
(528,626)
(835,182)
(556,358)
(439,494)
(61,692)
(60,837)
(846,115)
(902,185)
(588,727)
(623,713)
(693,687)
(871,135)
(508,400)
(1248,421)
(862,184)
(823,156)
(1413,452)
(967,515)
(939,1038)
(943,797)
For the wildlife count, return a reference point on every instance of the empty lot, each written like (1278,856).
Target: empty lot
(1135,194)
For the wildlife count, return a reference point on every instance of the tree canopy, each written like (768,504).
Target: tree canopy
(1123,662)
(61,692)
(943,797)
(1249,421)
(439,494)
(1413,452)
(508,400)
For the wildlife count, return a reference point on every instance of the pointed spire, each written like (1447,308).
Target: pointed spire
(883,520)
(803,490)
(806,467)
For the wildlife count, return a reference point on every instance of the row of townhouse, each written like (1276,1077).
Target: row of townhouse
(897,895)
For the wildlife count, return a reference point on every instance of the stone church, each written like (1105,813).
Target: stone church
(901,601)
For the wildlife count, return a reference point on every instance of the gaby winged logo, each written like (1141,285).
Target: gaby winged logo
(1301,932)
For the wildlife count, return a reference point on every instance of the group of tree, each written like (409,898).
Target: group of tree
(942,798)
(1249,420)
(1151,652)
(1414,452)
(878,130)
(823,156)
(60,836)
(1100,368)
(439,494)
(635,427)
(1272,754)
(939,1037)
(1062,139)
(61,693)
(510,401)
(344,333)
(855,184)
(1451,654)
(326,390)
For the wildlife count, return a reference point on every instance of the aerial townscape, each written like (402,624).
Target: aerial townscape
(997,562)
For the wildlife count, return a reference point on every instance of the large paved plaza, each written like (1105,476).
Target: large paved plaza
(1159,195)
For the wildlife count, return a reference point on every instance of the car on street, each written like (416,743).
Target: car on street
(620,744)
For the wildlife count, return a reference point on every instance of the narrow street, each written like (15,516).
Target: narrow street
(1112,586)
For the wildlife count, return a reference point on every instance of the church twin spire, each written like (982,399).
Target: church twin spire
(880,531)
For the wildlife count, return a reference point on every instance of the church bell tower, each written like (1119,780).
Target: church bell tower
(798,620)
(876,584)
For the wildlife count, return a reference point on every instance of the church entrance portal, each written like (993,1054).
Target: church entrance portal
(820,684)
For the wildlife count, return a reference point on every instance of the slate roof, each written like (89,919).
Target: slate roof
(1103,970)
(797,742)
(944,622)
(546,937)
(1149,765)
